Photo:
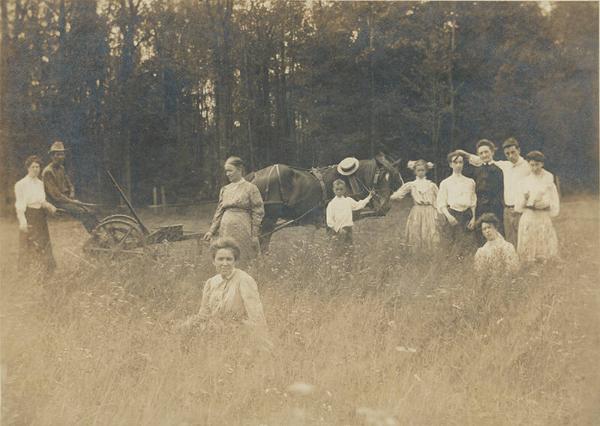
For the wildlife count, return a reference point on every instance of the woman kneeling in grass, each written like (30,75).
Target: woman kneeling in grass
(497,258)
(230,297)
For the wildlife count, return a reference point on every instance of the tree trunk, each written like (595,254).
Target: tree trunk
(7,174)
(371,83)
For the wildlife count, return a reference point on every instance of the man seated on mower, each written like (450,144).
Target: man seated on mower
(61,192)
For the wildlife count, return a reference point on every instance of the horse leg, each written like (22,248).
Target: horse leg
(273,211)
(268,225)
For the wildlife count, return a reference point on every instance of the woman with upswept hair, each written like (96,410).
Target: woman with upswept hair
(538,202)
(32,208)
(240,211)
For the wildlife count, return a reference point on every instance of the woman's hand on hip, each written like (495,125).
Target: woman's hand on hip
(208,236)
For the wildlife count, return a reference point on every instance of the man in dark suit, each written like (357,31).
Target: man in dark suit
(489,184)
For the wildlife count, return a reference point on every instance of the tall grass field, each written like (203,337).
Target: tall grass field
(403,341)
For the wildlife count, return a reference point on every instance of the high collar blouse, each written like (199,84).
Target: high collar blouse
(233,298)
(422,190)
(29,192)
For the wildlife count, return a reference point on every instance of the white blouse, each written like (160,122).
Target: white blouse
(29,192)
(496,258)
(538,192)
(456,192)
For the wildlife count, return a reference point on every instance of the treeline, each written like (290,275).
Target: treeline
(160,92)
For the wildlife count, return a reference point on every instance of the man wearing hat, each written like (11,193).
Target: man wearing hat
(61,192)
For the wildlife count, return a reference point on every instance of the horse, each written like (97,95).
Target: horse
(300,196)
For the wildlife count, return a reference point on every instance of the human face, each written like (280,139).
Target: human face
(420,172)
(485,153)
(33,170)
(233,173)
(457,164)
(224,261)
(58,157)
(339,190)
(489,231)
(536,167)
(512,154)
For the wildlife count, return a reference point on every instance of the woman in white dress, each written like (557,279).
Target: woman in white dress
(422,227)
(497,258)
(32,208)
(538,202)
(240,211)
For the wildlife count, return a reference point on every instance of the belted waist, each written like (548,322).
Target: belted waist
(535,208)
(237,209)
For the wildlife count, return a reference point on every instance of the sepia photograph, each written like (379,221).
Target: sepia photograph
(299,212)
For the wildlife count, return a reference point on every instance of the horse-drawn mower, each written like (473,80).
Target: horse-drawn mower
(121,234)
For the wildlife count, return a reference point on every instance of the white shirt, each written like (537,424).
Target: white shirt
(496,257)
(29,192)
(456,192)
(541,194)
(339,211)
(514,173)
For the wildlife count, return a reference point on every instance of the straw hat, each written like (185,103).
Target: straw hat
(348,166)
(57,146)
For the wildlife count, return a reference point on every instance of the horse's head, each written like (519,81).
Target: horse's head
(382,176)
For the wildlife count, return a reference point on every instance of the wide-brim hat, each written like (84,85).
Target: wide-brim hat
(57,146)
(348,166)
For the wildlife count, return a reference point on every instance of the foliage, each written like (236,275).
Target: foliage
(161,91)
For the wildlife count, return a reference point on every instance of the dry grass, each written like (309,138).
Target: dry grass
(404,342)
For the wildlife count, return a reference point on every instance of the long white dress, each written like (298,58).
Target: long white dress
(422,227)
(538,202)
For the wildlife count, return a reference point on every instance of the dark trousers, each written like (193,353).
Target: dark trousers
(460,238)
(343,247)
(35,249)
(83,214)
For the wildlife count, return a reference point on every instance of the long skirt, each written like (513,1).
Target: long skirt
(35,249)
(422,229)
(537,237)
(237,224)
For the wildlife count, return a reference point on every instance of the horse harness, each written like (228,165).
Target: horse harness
(318,175)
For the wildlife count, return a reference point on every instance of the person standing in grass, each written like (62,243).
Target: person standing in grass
(32,209)
(489,184)
(422,233)
(456,200)
(497,258)
(340,223)
(538,202)
(240,210)
(231,297)
(514,169)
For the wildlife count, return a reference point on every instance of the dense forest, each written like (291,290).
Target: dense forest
(161,91)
